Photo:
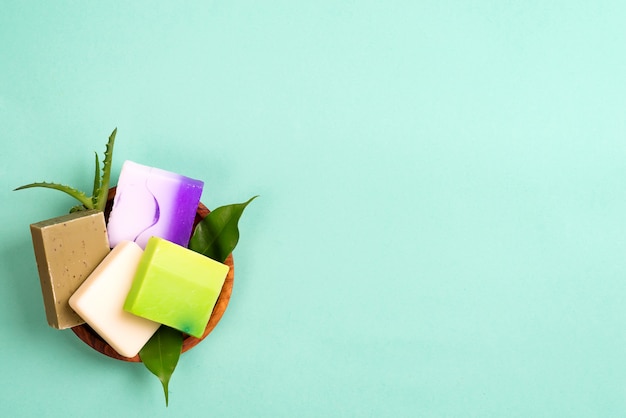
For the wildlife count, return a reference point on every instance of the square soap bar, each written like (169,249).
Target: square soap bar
(176,287)
(153,202)
(100,301)
(67,249)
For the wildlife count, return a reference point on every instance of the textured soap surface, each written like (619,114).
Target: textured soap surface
(153,202)
(100,301)
(176,286)
(67,250)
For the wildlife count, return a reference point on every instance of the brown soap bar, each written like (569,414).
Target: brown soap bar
(67,250)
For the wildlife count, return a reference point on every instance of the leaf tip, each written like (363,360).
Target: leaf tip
(167,400)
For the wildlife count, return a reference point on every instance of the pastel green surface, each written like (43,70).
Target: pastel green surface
(175,286)
(441,227)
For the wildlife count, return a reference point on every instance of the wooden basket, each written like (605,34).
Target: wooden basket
(92,339)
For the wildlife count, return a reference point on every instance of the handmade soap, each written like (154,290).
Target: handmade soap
(67,249)
(176,286)
(100,300)
(153,202)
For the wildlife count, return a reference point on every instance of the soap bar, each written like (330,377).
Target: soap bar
(67,250)
(153,202)
(176,286)
(100,301)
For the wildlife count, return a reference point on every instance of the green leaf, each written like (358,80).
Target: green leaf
(218,233)
(77,208)
(96,177)
(100,197)
(160,355)
(76,194)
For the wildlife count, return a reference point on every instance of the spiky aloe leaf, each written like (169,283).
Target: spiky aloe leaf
(76,194)
(96,177)
(77,208)
(100,197)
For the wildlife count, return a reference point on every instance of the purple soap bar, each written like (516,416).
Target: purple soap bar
(153,202)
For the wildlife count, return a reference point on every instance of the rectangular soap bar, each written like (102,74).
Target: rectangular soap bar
(153,202)
(176,287)
(100,300)
(67,249)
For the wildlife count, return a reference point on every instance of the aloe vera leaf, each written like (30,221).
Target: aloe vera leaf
(161,353)
(76,194)
(77,208)
(96,177)
(216,236)
(100,198)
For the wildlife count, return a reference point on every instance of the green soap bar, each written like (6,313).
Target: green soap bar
(67,249)
(175,286)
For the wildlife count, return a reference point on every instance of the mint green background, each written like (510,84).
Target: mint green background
(442,223)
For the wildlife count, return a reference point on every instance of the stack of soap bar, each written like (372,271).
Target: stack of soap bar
(100,300)
(153,202)
(67,250)
(176,287)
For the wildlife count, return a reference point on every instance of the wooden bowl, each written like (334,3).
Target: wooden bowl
(92,339)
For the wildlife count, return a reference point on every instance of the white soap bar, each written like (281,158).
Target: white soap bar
(100,301)
(153,202)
